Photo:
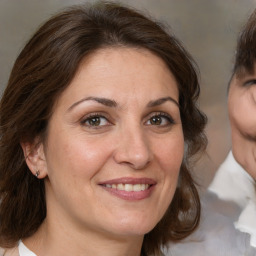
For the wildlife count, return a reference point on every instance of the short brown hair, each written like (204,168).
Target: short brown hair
(246,47)
(45,67)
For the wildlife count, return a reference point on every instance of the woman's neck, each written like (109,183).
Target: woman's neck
(62,241)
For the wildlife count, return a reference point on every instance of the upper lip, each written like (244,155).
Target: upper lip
(129,180)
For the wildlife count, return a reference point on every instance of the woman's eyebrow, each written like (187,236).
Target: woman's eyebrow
(112,103)
(161,101)
(103,101)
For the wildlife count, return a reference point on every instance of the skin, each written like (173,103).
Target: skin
(242,115)
(91,141)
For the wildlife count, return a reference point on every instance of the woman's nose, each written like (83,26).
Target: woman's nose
(133,149)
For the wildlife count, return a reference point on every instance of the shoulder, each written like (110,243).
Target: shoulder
(216,234)
(226,243)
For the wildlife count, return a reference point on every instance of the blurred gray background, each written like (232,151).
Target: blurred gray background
(207,28)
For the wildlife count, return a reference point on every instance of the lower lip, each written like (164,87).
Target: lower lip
(130,195)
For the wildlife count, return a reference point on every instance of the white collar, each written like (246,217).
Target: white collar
(24,251)
(233,183)
(247,221)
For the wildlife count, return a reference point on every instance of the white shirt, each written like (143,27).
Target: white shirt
(24,251)
(233,183)
(223,206)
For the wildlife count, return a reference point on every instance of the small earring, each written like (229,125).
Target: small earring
(37,173)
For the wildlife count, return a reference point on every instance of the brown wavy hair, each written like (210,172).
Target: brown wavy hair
(45,68)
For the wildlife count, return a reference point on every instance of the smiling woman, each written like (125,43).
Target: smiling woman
(100,105)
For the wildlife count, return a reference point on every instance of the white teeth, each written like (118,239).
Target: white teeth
(138,187)
(120,186)
(128,187)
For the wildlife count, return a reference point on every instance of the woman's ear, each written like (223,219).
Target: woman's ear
(35,158)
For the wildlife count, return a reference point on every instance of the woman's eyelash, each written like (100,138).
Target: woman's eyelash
(95,120)
(157,118)
(250,82)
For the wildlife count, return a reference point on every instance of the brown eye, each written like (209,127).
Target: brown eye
(95,121)
(155,120)
(160,119)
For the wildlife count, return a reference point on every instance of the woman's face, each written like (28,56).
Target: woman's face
(115,144)
(242,115)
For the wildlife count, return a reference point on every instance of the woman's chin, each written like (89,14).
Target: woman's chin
(134,229)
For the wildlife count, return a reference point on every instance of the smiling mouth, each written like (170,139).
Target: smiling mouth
(131,189)
(128,187)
